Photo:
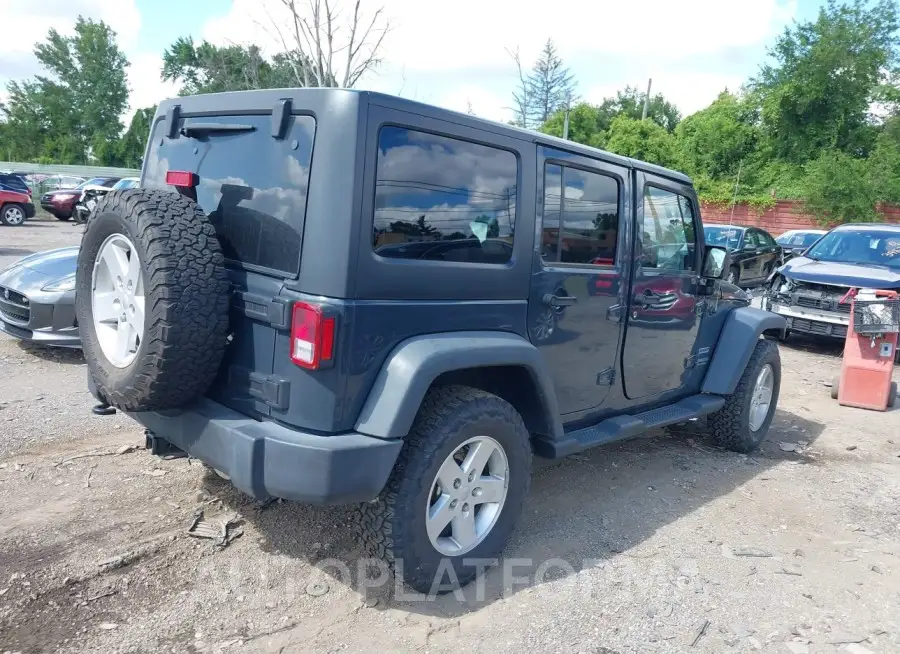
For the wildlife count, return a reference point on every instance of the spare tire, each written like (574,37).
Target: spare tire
(151,299)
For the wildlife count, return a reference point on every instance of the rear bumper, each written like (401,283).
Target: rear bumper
(265,459)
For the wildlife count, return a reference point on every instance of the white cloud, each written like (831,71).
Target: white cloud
(690,91)
(147,89)
(429,44)
(34,18)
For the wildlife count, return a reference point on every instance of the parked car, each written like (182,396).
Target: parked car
(91,194)
(37,298)
(754,253)
(14,182)
(795,241)
(15,207)
(60,182)
(240,306)
(61,203)
(809,289)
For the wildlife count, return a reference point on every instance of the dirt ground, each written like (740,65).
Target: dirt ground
(661,544)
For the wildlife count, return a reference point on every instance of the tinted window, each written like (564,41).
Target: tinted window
(866,247)
(727,237)
(443,199)
(252,187)
(13,183)
(798,239)
(767,239)
(589,205)
(753,238)
(667,239)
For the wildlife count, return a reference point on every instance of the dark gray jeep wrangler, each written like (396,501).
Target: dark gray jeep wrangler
(336,296)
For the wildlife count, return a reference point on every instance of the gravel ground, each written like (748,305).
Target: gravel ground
(660,544)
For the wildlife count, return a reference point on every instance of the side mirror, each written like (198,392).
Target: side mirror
(716,261)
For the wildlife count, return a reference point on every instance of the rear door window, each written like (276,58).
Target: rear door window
(253,187)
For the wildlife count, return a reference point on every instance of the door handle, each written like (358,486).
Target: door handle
(552,300)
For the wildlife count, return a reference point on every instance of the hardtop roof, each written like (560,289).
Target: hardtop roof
(263,101)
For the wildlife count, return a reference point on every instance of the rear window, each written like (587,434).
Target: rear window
(252,186)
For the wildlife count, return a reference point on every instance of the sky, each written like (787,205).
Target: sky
(451,54)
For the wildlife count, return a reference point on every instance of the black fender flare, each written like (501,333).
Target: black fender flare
(738,338)
(411,368)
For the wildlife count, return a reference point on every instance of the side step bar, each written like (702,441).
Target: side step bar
(622,427)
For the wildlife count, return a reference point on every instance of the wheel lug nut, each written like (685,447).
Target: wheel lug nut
(457,483)
(476,492)
(453,504)
(471,476)
(465,508)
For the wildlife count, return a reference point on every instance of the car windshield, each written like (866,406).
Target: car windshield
(868,247)
(124,183)
(797,240)
(727,237)
(96,181)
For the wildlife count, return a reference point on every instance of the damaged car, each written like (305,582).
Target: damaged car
(810,290)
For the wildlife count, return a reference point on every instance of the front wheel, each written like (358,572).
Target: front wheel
(742,424)
(455,493)
(63,218)
(12,215)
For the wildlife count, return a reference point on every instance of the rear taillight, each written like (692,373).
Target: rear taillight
(312,336)
(181,178)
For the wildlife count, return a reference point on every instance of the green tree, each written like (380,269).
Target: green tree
(714,141)
(884,164)
(551,86)
(585,125)
(630,103)
(839,189)
(817,94)
(76,109)
(642,139)
(131,146)
(207,68)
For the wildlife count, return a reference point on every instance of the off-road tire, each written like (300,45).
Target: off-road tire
(730,425)
(392,527)
(187,299)
(6,209)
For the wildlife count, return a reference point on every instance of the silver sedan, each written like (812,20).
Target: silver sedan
(37,298)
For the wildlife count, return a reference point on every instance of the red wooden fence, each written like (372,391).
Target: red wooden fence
(785,215)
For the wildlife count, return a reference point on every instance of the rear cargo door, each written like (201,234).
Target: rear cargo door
(252,184)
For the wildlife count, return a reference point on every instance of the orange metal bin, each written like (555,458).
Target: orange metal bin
(869,351)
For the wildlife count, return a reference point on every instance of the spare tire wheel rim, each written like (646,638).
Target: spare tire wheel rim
(761,400)
(117,300)
(467,496)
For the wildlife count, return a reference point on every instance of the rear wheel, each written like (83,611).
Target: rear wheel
(62,217)
(742,424)
(455,493)
(12,214)
(892,397)
(835,387)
